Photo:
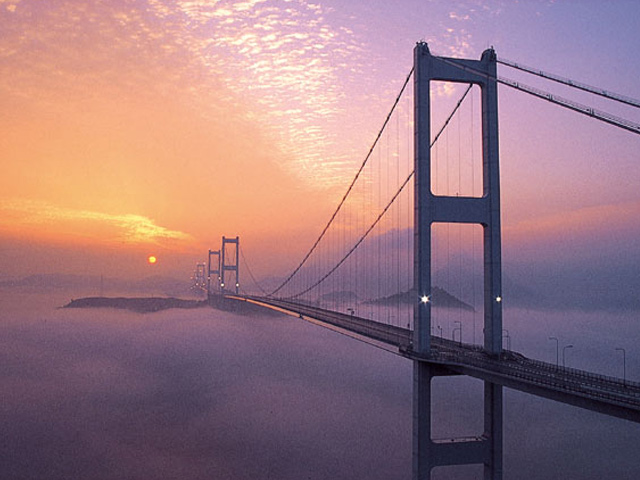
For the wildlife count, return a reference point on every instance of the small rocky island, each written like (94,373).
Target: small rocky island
(140,304)
(156,304)
(439,298)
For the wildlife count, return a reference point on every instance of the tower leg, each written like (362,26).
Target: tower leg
(422,453)
(493,430)
(427,453)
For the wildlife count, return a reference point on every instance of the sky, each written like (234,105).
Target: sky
(132,128)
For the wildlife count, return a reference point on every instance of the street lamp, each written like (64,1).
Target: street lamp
(458,328)
(564,349)
(624,365)
(505,334)
(557,348)
(439,328)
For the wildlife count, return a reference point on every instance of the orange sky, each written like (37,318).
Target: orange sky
(124,131)
(131,128)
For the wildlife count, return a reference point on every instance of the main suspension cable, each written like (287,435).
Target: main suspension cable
(382,213)
(246,264)
(571,83)
(353,182)
(575,106)
(555,99)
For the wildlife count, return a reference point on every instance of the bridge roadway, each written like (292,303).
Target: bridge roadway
(603,394)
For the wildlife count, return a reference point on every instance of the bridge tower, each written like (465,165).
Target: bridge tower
(213,268)
(430,209)
(199,282)
(229,267)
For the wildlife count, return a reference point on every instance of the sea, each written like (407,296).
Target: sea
(204,394)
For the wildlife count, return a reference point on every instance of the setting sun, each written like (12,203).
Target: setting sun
(152,259)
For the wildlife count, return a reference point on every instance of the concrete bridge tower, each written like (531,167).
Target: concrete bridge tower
(213,269)
(225,266)
(430,209)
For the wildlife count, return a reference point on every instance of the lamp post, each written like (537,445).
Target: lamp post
(440,328)
(557,350)
(505,334)
(624,365)
(458,328)
(564,349)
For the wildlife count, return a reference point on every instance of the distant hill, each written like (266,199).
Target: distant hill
(439,298)
(339,296)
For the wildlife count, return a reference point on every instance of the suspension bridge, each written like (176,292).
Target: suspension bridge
(416,237)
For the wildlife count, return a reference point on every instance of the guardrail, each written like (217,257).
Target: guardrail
(515,370)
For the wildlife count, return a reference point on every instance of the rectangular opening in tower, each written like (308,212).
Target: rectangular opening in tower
(457,279)
(457,409)
(456,154)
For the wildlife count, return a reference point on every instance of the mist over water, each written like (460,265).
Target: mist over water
(201,394)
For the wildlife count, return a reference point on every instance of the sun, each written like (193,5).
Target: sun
(152,259)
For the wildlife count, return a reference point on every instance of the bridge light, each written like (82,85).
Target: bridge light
(498,299)
(425,299)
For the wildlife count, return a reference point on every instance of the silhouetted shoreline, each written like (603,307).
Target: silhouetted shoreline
(139,304)
(156,304)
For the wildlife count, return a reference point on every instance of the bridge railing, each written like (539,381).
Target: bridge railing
(513,364)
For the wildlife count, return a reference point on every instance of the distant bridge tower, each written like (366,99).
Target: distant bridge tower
(213,269)
(430,209)
(199,282)
(227,267)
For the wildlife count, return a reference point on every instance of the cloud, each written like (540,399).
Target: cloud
(237,60)
(585,258)
(284,58)
(10,5)
(203,394)
(594,225)
(173,397)
(129,228)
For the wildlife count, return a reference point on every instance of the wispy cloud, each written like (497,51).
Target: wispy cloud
(252,62)
(129,228)
(614,216)
(599,233)
(10,5)
(285,60)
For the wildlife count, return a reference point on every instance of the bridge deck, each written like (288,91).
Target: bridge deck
(599,393)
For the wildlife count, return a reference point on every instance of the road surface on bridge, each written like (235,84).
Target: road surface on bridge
(600,393)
